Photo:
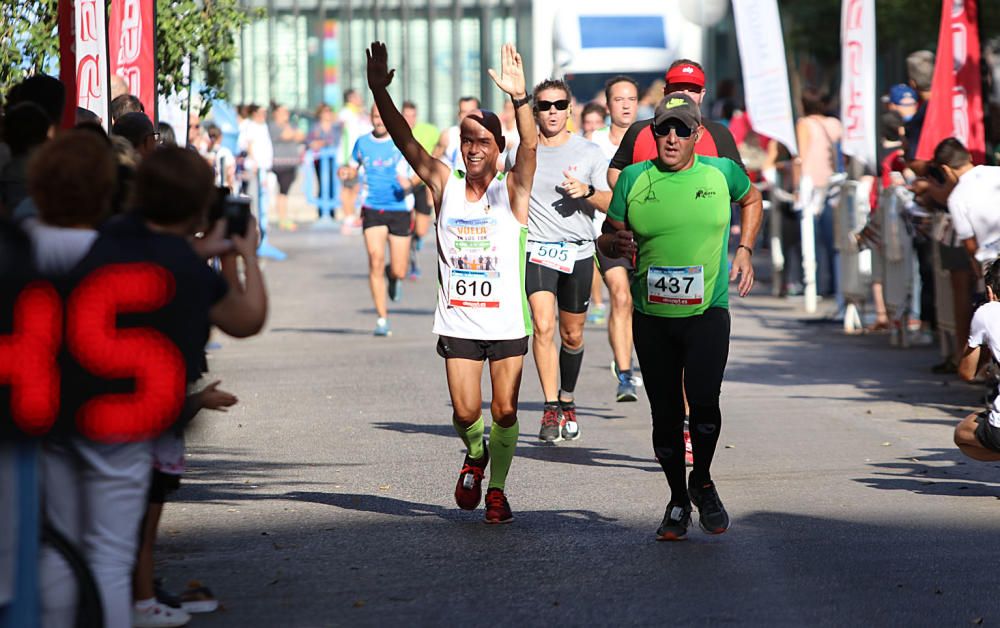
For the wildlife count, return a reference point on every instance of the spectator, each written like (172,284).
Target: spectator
(91,491)
(138,129)
(972,201)
(43,90)
(167,136)
(592,119)
(221,159)
(287,141)
(26,127)
(920,69)
(86,115)
(324,139)
(126,103)
(196,138)
(817,135)
(118,86)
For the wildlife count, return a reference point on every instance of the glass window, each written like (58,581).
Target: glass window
(416,66)
(445,105)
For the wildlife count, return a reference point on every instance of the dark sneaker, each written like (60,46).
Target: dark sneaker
(712,516)
(675,524)
(551,425)
(626,389)
(497,508)
(395,289)
(570,428)
(469,489)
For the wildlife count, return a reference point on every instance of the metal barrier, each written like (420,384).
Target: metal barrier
(850,215)
(893,260)
(324,193)
(944,300)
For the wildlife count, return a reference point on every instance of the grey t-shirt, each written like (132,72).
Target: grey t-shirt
(552,215)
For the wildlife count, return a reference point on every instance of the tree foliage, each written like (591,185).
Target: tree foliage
(204,30)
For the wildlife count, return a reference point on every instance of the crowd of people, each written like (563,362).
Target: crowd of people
(133,228)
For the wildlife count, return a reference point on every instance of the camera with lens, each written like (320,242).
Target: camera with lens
(234,209)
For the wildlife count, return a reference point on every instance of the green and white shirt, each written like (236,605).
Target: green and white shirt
(681,226)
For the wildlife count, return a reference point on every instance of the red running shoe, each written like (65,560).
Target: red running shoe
(497,508)
(469,489)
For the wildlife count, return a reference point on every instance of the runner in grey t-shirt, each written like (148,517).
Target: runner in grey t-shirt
(570,184)
(555,216)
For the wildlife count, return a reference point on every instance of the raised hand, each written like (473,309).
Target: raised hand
(379,74)
(511,78)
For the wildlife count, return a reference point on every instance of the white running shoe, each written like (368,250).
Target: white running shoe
(159,616)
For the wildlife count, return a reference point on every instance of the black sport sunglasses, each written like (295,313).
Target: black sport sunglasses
(545,105)
(682,130)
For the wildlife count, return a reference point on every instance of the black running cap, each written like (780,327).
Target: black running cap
(491,122)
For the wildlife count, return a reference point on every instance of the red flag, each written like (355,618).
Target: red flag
(67,60)
(956,105)
(131,34)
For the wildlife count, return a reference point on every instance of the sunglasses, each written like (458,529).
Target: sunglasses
(545,105)
(682,130)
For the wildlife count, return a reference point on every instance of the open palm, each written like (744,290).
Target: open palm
(511,78)
(379,74)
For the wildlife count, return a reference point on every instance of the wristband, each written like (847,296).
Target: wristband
(590,191)
(743,246)
(518,102)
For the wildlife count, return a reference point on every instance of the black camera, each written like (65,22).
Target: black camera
(234,209)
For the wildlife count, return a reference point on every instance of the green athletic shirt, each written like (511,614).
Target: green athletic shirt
(680,219)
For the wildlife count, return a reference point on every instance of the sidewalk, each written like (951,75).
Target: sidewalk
(325,497)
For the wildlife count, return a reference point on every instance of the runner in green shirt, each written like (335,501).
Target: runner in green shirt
(672,214)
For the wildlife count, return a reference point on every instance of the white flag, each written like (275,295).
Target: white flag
(92,80)
(765,73)
(857,88)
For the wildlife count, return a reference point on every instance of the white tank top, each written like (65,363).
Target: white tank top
(481,258)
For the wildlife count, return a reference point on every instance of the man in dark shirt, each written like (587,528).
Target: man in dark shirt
(638,144)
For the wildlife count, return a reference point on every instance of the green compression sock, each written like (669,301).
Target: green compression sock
(503,441)
(472,436)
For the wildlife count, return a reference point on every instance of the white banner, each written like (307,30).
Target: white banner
(858,97)
(92,80)
(765,72)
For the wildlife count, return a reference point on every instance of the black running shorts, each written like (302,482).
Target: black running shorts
(572,290)
(450,347)
(399,222)
(987,435)
(286,177)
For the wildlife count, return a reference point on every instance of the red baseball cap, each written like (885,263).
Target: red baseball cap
(686,73)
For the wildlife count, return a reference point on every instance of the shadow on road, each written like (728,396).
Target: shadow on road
(403,508)
(941,472)
(529,447)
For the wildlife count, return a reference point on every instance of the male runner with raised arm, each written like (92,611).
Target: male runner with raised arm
(482,311)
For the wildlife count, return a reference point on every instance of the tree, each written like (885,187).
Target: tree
(204,30)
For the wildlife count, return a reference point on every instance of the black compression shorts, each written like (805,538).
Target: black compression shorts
(450,347)
(399,222)
(572,290)
(987,435)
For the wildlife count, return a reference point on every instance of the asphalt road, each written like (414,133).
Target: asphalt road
(325,497)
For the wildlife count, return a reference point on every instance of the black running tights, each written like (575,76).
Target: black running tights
(683,354)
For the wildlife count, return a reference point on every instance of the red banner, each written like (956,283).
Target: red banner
(131,35)
(67,60)
(956,105)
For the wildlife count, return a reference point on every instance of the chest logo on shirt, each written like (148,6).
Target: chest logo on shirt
(704,193)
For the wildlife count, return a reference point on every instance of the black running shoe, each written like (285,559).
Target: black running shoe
(551,424)
(712,516)
(675,524)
